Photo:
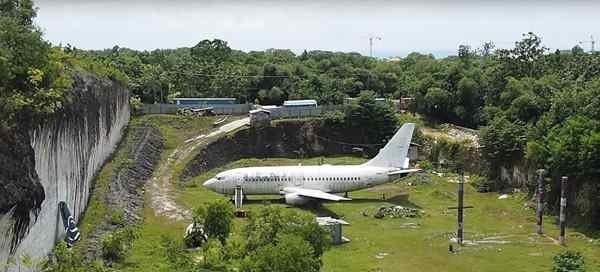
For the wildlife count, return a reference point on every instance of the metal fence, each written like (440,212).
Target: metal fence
(283,112)
(231,109)
(242,109)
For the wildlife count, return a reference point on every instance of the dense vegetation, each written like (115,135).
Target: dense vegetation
(34,74)
(275,239)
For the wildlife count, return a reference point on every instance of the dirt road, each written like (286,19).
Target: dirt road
(160,187)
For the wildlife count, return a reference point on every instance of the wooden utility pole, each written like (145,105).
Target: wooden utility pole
(460,209)
(563,210)
(540,201)
(461,195)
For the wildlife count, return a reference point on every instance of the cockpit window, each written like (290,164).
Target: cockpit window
(220,178)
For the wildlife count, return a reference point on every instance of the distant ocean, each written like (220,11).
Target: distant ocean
(438,54)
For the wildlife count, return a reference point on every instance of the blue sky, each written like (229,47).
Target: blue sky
(425,26)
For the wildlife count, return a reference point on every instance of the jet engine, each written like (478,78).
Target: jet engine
(296,200)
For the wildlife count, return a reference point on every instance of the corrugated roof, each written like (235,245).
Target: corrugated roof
(204,98)
(270,107)
(308,102)
(259,110)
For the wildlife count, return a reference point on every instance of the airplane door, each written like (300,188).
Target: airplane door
(298,179)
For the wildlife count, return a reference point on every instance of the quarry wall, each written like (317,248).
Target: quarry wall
(296,138)
(55,162)
(288,139)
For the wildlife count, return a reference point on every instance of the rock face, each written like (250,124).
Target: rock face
(21,193)
(283,139)
(66,152)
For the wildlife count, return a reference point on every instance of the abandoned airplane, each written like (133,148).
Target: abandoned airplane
(301,184)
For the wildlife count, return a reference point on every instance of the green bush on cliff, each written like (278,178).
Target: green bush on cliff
(115,245)
(375,122)
(33,74)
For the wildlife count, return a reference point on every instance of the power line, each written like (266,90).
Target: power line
(345,143)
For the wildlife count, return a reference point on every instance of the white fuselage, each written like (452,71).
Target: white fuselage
(272,180)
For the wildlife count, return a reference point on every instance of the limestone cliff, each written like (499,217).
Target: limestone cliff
(57,162)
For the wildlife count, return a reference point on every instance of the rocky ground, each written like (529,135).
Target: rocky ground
(125,197)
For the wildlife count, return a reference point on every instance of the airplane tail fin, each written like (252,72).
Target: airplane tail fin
(394,153)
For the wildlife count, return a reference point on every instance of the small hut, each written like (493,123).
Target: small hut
(334,226)
(260,118)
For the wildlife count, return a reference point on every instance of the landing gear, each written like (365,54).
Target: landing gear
(239,198)
(346,194)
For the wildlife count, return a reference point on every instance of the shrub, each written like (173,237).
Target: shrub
(568,261)
(481,184)
(290,253)
(270,221)
(176,255)
(216,218)
(136,103)
(425,165)
(117,217)
(70,260)
(214,255)
(115,245)
(334,119)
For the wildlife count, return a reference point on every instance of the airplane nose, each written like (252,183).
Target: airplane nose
(210,184)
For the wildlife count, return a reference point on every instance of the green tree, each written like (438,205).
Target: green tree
(32,75)
(470,101)
(374,120)
(438,102)
(526,58)
(213,52)
(217,218)
(271,221)
(502,140)
(570,148)
(290,253)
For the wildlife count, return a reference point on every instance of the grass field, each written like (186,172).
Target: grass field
(502,230)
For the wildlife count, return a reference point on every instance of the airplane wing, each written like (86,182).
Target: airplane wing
(313,193)
(404,171)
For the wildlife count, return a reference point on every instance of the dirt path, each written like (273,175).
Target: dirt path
(160,188)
